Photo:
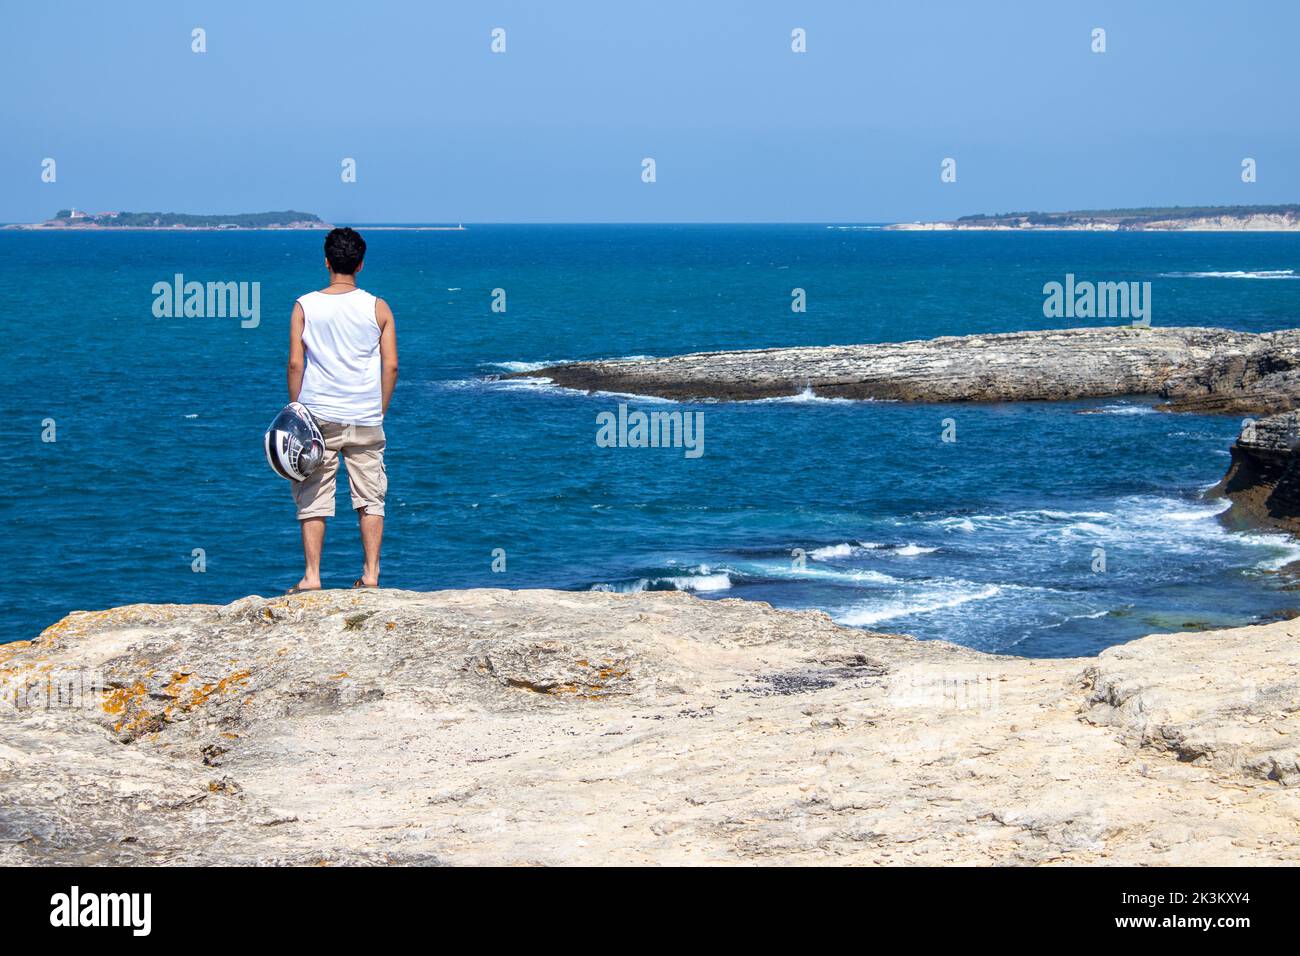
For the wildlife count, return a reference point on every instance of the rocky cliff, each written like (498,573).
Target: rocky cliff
(1253,218)
(527,727)
(1194,369)
(1263,480)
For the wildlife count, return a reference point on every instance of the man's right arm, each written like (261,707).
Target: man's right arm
(296,351)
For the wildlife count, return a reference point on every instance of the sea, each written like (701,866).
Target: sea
(135,470)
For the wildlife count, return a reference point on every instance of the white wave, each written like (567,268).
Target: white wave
(1234,274)
(1066,619)
(1154,509)
(1090,528)
(542,384)
(1210,511)
(1286,550)
(1151,522)
(846,550)
(1028,520)
(812,572)
(912,550)
(709,581)
(790,570)
(872,612)
(808,397)
(1039,514)
(1123,410)
(627,587)
(831,551)
(718,581)
(526,366)
(1278,563)
(632,396)
(957,524)
(517,366)
(546,384)
(1164,525)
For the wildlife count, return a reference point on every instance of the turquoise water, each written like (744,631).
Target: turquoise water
(989,541)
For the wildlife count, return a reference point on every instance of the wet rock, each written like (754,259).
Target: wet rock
(1263,480)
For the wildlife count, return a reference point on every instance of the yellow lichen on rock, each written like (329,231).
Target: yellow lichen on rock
(118,699)
(225,685)
(81,623)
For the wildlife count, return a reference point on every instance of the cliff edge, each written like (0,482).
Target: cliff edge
(1263,480)
(544,727)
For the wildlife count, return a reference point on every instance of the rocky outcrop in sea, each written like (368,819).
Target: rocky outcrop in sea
(1205,371)
(1194,369)
(1263,480)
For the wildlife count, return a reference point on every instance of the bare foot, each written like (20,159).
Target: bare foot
(307,584)
(362,582)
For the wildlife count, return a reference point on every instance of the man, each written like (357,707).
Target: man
(343,366)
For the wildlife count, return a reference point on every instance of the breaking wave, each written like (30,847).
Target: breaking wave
(707,581)
(1235,274)
(1121,409)
(950,595)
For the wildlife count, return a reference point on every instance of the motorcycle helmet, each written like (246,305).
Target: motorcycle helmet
(294,445)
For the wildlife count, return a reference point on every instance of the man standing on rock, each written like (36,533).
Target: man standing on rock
(343,366)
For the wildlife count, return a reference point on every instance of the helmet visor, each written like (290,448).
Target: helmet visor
(290,421)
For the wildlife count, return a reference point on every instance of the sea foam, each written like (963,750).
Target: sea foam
(1234,274)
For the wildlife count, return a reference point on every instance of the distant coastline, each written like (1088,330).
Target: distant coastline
(75,220)
(1278,218)
(1253,218)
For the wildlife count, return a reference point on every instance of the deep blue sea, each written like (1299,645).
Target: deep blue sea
(989,541)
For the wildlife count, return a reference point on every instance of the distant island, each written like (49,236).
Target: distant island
(75,219)
(180,221)
(1284,218)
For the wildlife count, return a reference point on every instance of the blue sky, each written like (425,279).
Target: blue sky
(555,129)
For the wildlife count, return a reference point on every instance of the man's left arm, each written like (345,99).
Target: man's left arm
(387,349)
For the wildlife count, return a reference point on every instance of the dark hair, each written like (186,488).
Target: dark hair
(344,249)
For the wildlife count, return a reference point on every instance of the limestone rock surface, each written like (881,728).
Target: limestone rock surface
(1195,369)
(543,727)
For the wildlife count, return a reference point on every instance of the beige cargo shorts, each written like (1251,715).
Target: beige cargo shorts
(362,448)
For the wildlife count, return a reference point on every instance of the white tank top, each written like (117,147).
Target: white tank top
(340,382)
